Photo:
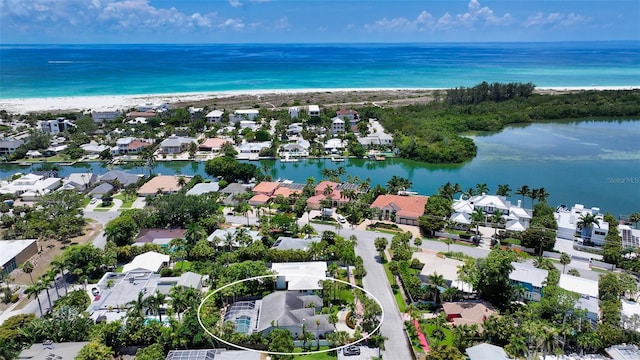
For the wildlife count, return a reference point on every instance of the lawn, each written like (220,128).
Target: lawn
(126,202)
(429,327)
(402,305)
(321,356)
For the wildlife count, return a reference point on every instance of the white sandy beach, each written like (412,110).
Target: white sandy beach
(124,102)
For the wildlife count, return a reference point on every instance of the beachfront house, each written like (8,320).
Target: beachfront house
(314,110)
(176,144)
(529,278)
(400,208)
(350,115)
(153,106)
(105,115)
(54,127)
(568,221)
(214,116)
(243,114)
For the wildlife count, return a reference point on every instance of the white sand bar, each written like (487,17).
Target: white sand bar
(123,102)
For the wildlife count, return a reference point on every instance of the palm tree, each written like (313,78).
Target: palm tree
(504,190)
(27,268)
(585,224)
(574,272)
(524,191)
(482,188)
(533,195)
(635,218)
(496,220)
(181,181)
(58,265)
(437,281)
(194,233)
(477,216)
(542,195)
(51,278)
(379,341)
(34,291)
(179,300)
(565,259)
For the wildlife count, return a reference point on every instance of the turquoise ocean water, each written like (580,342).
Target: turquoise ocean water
(31,71)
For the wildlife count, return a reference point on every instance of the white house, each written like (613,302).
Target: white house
(630,236)
(31,187)
(157,107)
(588,291)
(176,144)
(150,261)
(214,116)
(376,136)
(105,115)
(294,112)
(294,129)
(303,277)
(568,224)
(297,149)
(248,124)
(335,145)
(56,126)
(246,114)
(81,181)
(517,218)
(314,110)
(337,125)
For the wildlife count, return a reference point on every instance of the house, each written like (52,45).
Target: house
(623,352)
(160,237)
(248,124)
(99,191)
(376,136)
(629,315)
(630,236)
(314,110)
(81,181)
(232,190)
(468,312)
(14,253)
(335,146)
(246,114)
(294,129)
(149,261)
(265,188)
(94,149)
(486,351)
(204,188)
(298,149)
(105,115)
(347,114)
(337,125)
(121,177)
(212,144)
(568,219)
(588,291)
(294,112)
(288,310)
(55,149)
(289,243)
(516,217)
(332,191)
(301,277)
(31,187)
(54,127)
(400,208)
(8,146)
(231,237)
(214,116)
(195,112)
(176,144)
(530,278)
(163,184)
(118,290)
(252,150)
(157,106)
(146,115)
(49,350)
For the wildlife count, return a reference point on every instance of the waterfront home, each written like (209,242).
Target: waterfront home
(56,126)
(99,191)
(529,278)
(128,145)
(176,144)
(122,178)
(332,191)
(337,125)
(400,208)
(156,107)
(568,220)
(162,184)
(300,148)
(232,190)
(80,181)
(588,291)
(8,146)
(376,135)
(243,114)
(251,151)
(30,187)
(14,253)
(160,237)
(300,277)
(314,110)
(204,188)
(468,312)
(516,217)
(335,145)
(105,115)
(630,236)
(263,192)
(214,116)
(94,149)
(213,144)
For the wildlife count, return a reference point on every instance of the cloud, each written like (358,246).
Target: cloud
(476,15)
(56,17)
(238,3)
(555,19)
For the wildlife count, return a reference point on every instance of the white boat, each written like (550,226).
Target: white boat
(337,159)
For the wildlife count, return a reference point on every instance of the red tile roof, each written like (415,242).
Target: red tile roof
(405,206)
(266,187)
(259,199)
(286,192)
(137,144)
(214,143)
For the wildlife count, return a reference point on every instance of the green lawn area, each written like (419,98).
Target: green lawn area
(183,266)
(321,356)
(429,327)
(402,305)
(85,201)
(126,203)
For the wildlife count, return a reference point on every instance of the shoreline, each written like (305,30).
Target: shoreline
(123,102)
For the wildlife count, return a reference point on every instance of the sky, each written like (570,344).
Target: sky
(315,21)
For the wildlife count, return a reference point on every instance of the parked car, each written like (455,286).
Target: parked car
(95,291)
(341,219)
(351,351)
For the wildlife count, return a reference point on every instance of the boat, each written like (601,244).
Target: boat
(337,159)
(24,163)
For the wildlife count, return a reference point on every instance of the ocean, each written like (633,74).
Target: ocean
(35,71)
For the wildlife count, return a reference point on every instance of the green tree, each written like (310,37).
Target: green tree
(95,351)
(280,340)
(444,352)
(612,247)
(565,259)
(585,224)
(122,229)
(381,244)
(538,239)
(504,190)
(574,272)
(27,268)
(436,212)
(635,218)
(152,352)
(524,190)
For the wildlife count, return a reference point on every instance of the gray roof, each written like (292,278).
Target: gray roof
(60,351)
(101,190)
(10,143)
(289,309)
(203,188)
(176,141)
(623,352)
(289,243)
(213,354)
(486,352)
(235,188)
(190,279)
(123,177)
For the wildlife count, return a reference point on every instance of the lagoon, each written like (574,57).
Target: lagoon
(595,163)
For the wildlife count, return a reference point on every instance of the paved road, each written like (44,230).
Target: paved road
(376,283)
(103,217)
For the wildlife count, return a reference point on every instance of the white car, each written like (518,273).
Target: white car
(341,219)
(93,201)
